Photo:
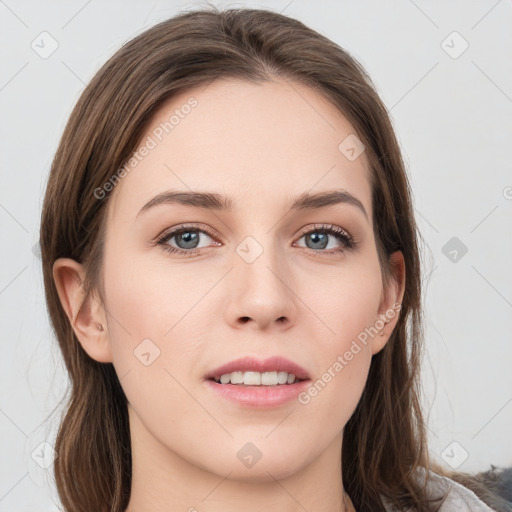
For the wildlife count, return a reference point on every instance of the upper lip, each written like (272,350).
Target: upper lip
(271,364)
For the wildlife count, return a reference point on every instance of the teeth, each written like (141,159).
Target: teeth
(282,377)
(252,378)
(237,378)
(257,378)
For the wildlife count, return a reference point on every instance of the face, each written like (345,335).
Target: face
(258,279)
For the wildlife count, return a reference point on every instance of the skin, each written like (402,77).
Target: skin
(262,144)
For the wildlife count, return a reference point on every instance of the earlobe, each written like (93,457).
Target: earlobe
(86,314)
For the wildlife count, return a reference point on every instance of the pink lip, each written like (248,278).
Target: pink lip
(259,397)
(251,364)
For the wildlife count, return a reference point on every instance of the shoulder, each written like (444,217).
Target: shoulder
(458,498)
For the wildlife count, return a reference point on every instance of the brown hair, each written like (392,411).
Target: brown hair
(384,441)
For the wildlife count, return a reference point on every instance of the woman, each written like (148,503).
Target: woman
(234,280)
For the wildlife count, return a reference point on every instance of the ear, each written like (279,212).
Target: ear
(86,313)
(389,307)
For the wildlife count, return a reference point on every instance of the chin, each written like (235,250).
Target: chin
(262,473)
(252,465)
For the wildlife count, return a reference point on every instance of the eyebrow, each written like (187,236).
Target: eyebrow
(214,201)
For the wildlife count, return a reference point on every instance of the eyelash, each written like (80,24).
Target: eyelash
(347,241)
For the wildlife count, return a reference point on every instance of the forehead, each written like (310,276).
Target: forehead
(256,142)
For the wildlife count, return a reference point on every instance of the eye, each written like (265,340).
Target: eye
(187,239)
(317,239)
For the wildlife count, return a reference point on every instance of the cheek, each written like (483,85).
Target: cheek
(151,328)
(345,300)
(157,327)
(347,304)
(150,300)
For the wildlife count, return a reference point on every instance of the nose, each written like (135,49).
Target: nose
(261,290)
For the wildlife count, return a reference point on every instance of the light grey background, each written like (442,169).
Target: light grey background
(453,116)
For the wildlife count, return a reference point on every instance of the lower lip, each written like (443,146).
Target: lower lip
(259,397)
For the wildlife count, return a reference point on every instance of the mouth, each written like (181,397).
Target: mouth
(257,396)
(258,383)
(253,371)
